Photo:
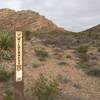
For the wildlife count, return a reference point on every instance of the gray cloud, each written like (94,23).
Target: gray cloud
(75,15)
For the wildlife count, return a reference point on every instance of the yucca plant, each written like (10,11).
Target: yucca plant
(5,40)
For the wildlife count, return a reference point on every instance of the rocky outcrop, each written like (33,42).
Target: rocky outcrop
(25,20)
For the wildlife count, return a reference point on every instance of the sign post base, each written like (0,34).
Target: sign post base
(19,91)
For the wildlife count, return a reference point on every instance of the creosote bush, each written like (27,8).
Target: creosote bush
(82,51)
(84,61)
(28,35)
(41,53)
(5,40)
(45,89)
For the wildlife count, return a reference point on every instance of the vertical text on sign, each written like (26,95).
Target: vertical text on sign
(18,56)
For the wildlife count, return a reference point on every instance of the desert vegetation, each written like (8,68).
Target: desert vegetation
(41,53)
(28,35)
(82,51)
(45,89)
(6,44)
(6,54)
(9,95)
(4,75)
(62,63)
(5,40)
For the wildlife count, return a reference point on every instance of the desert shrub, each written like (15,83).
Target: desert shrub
(41,53)
(6,54)
(9,95)
(83,57)
(94,72)
(5,40)
(41,59)
(83,64)
(68,56)
(4,75)
(77,86)
(98,49)
(28,35)
(63,79)
(45,89)
(82,49)
(36,65)
(62,63)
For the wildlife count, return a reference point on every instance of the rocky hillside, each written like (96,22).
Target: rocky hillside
(25,20)
(95,29)
(90,37)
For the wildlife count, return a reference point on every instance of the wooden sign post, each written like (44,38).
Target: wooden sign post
(19,83)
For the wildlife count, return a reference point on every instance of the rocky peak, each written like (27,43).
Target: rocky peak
(25,20)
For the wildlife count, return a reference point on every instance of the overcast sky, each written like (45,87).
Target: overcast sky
(74,15)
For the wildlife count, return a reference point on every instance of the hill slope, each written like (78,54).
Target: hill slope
(24,20)
(94,29)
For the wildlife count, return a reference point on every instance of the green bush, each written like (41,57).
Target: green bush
(28,35)
(83,63)
(4,75)
(45,89)
(41,53)
(82,49)
(5,40)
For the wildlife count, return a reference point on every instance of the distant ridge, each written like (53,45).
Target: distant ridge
(93,29)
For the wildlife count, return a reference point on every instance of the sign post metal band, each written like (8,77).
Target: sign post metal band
(19,84)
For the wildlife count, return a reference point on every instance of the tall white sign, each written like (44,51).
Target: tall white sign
(18,56)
